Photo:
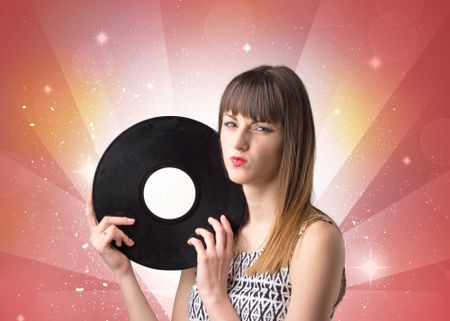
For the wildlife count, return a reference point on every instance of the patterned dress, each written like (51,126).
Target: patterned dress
(262,297)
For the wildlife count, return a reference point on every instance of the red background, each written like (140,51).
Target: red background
(74,74)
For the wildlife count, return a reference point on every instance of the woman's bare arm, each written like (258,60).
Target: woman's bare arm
(315,273)
(136,303)
(180,306)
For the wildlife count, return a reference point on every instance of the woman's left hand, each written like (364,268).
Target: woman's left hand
(213,262)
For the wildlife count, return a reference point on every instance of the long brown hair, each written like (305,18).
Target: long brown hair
(276,94)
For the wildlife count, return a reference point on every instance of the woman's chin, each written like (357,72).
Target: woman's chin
(238,179)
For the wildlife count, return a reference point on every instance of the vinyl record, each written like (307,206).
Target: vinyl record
(134,159)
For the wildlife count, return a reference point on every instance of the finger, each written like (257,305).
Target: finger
(92,221)
(102,241)
(113,233)
(198,245)
(120,237)
(220,233)
(208,237)
(114,220)
(229,232)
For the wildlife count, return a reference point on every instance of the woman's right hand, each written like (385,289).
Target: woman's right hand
(104,233)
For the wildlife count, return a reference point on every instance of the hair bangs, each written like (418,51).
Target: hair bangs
(255,96)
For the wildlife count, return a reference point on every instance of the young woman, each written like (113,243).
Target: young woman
(286,262)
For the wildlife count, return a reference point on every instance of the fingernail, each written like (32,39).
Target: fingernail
(131,242)
(130,220)
(222,217)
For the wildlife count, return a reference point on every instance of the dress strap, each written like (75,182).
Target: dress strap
(313,218)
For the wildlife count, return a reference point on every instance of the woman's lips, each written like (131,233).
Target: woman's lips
(238,161)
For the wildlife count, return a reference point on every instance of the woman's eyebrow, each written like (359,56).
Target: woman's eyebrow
(252,122)
(229,115)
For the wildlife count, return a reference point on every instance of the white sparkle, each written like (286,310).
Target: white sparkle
(375,63)
(370,267)
(79,289)
(150,86)
(247,47)
(406,160)
(85,246)
(20,317)
(31,124)
(102,38)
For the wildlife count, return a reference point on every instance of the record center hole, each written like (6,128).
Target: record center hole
(169,193)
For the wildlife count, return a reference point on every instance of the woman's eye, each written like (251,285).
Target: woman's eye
(264,129)
(229,124)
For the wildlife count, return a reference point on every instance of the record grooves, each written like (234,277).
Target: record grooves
(140,151)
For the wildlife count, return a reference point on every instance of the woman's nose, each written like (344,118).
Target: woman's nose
(241,140)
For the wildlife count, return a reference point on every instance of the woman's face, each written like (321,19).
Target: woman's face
(251,150)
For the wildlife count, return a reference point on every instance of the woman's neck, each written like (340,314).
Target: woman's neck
(261,201)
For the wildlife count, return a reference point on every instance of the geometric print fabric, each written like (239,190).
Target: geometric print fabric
(262,297)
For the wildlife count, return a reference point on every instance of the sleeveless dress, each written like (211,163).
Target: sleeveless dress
(263,296)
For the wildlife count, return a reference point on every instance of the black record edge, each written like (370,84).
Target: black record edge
(187,258)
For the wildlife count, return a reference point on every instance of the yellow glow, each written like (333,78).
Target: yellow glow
(47,89)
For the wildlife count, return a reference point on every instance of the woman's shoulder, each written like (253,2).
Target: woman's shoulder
(317,263)
(321,221)
(319,231)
